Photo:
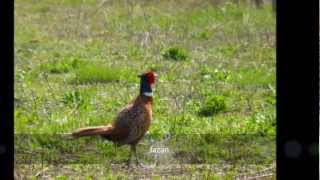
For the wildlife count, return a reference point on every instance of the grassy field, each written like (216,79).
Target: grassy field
(76,64)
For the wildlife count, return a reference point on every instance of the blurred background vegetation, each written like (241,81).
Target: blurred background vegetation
(76,64)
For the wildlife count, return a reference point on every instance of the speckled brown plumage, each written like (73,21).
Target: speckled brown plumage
(132,122)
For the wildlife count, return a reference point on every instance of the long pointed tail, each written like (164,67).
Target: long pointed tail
(91,131)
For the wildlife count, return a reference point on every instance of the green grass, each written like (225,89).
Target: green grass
(76,65)
(175,53)
(212,105)
(96,73)
(63,65)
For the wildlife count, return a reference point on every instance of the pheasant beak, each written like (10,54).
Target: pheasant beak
(155,77)
(155,80)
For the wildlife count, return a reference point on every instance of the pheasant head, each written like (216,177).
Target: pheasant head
(147,82)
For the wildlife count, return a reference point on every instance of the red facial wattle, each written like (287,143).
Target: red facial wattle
(151,76)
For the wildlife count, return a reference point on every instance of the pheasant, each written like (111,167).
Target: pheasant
(131,123)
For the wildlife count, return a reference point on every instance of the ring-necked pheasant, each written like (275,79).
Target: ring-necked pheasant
(132,122)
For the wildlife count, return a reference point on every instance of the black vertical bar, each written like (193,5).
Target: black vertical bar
(6,97)
(297,88)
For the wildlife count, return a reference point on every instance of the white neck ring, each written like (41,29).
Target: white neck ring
(149,94)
